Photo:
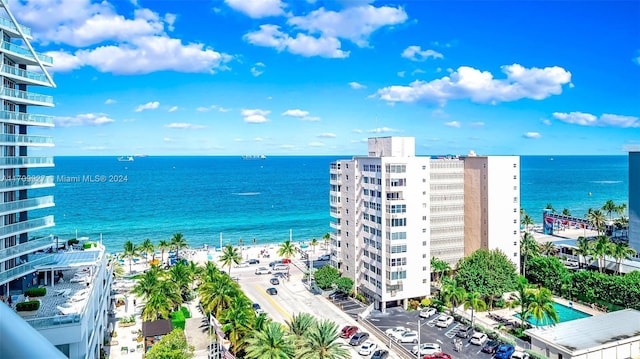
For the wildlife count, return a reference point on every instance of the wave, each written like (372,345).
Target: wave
(246,193)
(605,182)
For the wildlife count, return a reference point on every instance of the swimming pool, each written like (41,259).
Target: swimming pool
(565,314)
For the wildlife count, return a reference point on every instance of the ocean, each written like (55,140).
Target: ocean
(203,197)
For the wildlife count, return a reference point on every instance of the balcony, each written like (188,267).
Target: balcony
(24,76)
(26,205)
(31,246)
(25,97)
(8,26)
(25,183)
(334,225)
(25,162)
(21,118)
(22,55)
(26,140)
(25,269)
(26,226)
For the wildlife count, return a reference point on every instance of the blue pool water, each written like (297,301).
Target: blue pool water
(565,314)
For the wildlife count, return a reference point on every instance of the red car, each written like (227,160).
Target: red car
(286,261)
(348,331)
(437,356)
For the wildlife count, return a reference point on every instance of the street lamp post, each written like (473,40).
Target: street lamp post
(418,354)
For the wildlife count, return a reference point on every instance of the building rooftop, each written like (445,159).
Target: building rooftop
(592,332)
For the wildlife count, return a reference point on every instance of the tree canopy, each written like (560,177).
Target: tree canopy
(489,273)
(326,276)
(171,346)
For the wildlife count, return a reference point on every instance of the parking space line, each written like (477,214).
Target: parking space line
(452,332)
(275,304)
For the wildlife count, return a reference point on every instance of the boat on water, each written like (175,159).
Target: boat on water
(254,157)
(125,159)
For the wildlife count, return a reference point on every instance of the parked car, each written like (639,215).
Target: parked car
(504,351)
(253,261)
(280,275)
(490,346)
(464,332)
(427,348)
(358,338)
(367,348)
(257,308)
(279,261)
(337,295)
(272,291)
(242,265)
(428,312)
(395,332)
(274,281)
(324,257)
(348,331)
(263,270)
(408,337)
(281,268)
(478,339)
(437,356)
(444,321)
(286,261)
(380,354)
(519,355)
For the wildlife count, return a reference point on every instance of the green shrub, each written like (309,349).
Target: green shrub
(535,355)
(35,292)
(73,241)
(425,302)
(28,306)
(178,320)
(87,245)
(185,312)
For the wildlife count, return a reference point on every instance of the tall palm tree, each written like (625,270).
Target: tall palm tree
(147,247)
(452,294)
(236,321)
(541,307)
(326,237)
(548,249)
(178,242)
(209,272)
(216,295)
(287,249)
(271,343)
(299,326)
(322,342)
(162,301)
(162,245)
(230,255)
(147,283)
(621,251)
(182,277)
(601,248)
(525,295)
(550,207)
(314,243)
(526,222)
(584,250)
(475,302)
(439,267)
(597,219)
(609,207)
(621,209)
(529,248)
(130,251)
(566,212)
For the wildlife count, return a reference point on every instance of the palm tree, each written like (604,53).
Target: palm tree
(584,249)
(550,207)
(322,342)
(601,248)
(314,243)
(163,300)
(209,272)
(270,343)
(541,307)
(147,247)
(548,249)
(162,245)
(178,242)
(525,295)
(621,209)
(451,294)
(130,251)
(622,223)
(147,283)
(236,321)
(526,222)
(475,302)
(609,207)
(287,249)
(299,325)
(326,237)
(566,212)
(621,251)
(230,255)
(182,277)
(216,295)
(439,267)
(597,219)
(529,248)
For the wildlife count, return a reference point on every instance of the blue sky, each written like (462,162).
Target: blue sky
(285,77)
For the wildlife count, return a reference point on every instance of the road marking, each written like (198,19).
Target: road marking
(275,304)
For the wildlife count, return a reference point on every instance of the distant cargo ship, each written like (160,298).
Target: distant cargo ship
(254,157)
(125,159)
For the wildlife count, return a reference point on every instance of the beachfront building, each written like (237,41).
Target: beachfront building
(613,335)
(634,198)
(384,206)
(492,204)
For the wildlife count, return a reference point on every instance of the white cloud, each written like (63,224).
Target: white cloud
(287,147)
(303,115)
(605,120)
(401,73)
(327,135)
(356,130)
(415,53)
(383,130)
(418,71)
(356,86)
(637,58)
(316,144)
(439,113)
(168,139)
(222,109)
(184,126)
(257,8)
(86,119)
(546,121)
(148,106)
(455,124)
(110,101)
(255,115)
(481,87)
(258,69)
(258,139)
(532,135)
(477,124)
(203,109)
(173,109)
(95,148)
(301,44)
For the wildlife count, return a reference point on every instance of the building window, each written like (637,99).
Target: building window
(514,232)
(515,254)
(515,177)
(515,166)
(424,243)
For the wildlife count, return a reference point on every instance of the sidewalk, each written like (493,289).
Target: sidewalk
(196,330)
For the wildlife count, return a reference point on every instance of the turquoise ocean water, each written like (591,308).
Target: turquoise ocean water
(154,197)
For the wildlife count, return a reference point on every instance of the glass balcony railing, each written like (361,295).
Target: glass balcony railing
(26,226)
(25,161)
(26,205)
(22,118)
(7,24)
(31,75)
(25,269)
(24,52)
(25,183)
(26,139)
(18,95)
(26,248)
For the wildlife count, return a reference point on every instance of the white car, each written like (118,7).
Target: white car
(242,265)
(367,348)
(408,337)
(427,312)
(519,355)
(478,339)
(395,332)
(444,321)
(263,270)
(427,349)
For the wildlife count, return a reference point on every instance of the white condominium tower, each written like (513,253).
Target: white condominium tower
(393,211)
(21,69)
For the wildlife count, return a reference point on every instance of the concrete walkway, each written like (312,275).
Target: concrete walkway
(196,330)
